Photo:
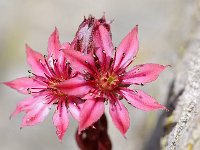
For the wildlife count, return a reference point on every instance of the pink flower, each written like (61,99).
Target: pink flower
(105,68)
(47,72)
(88,33)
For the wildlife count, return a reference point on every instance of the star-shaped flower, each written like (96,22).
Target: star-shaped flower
(105,70)
(46,72)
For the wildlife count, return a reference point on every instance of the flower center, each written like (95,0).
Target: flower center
(108,82)
(54,73)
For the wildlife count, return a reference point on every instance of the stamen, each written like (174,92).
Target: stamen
(43,67)
(124,68)
(90,67)
(104,60)
(29,91)
(51,71)
(112,65)
(49,78)
(56,69)
(45,56)
(121,75)
(75,74)
(117,67)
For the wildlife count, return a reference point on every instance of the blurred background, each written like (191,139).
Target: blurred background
(26,21)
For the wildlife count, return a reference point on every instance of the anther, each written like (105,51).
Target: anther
(75,74)
(94,55)
(85,71)
(135,91)
(121,74)
(29,91)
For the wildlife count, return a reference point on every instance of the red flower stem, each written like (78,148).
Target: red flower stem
(95,137)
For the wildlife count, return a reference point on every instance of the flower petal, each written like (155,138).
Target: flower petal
(87,33)
(65,45)
(36,114)
(92,110)
(127,49)
(34,60)
(23,106)
(79,61)
(61,120)
(140,100)
(142,74)
(75,110)
(54,44)
(102,39)
(75,86)
(83,41)
(22,84)
(120,116)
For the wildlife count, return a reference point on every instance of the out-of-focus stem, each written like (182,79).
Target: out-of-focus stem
(95,137)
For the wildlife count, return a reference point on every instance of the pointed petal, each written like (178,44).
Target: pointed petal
(141,100)
(65,45)
(120,116)
(54,44)
(36,115)
(61,120)
(24,105)
(22,84)
(79,61)
(92,110)
(75,110)
(127,49)
(142,74)
(83,40)
(61,63)
(75,86)
(102,39)
(33,59)
(88,30)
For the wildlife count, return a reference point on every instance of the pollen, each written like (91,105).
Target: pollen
(108,82)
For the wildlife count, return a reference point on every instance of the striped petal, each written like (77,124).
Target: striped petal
(92,110)
(127,49)
(103,42)
(77,86)
(142,74)
(79,61)
(24,105)
(54,45)
(61,120)
(22,84)
(140,100)
(120,116)
(34,60)
(36,114)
